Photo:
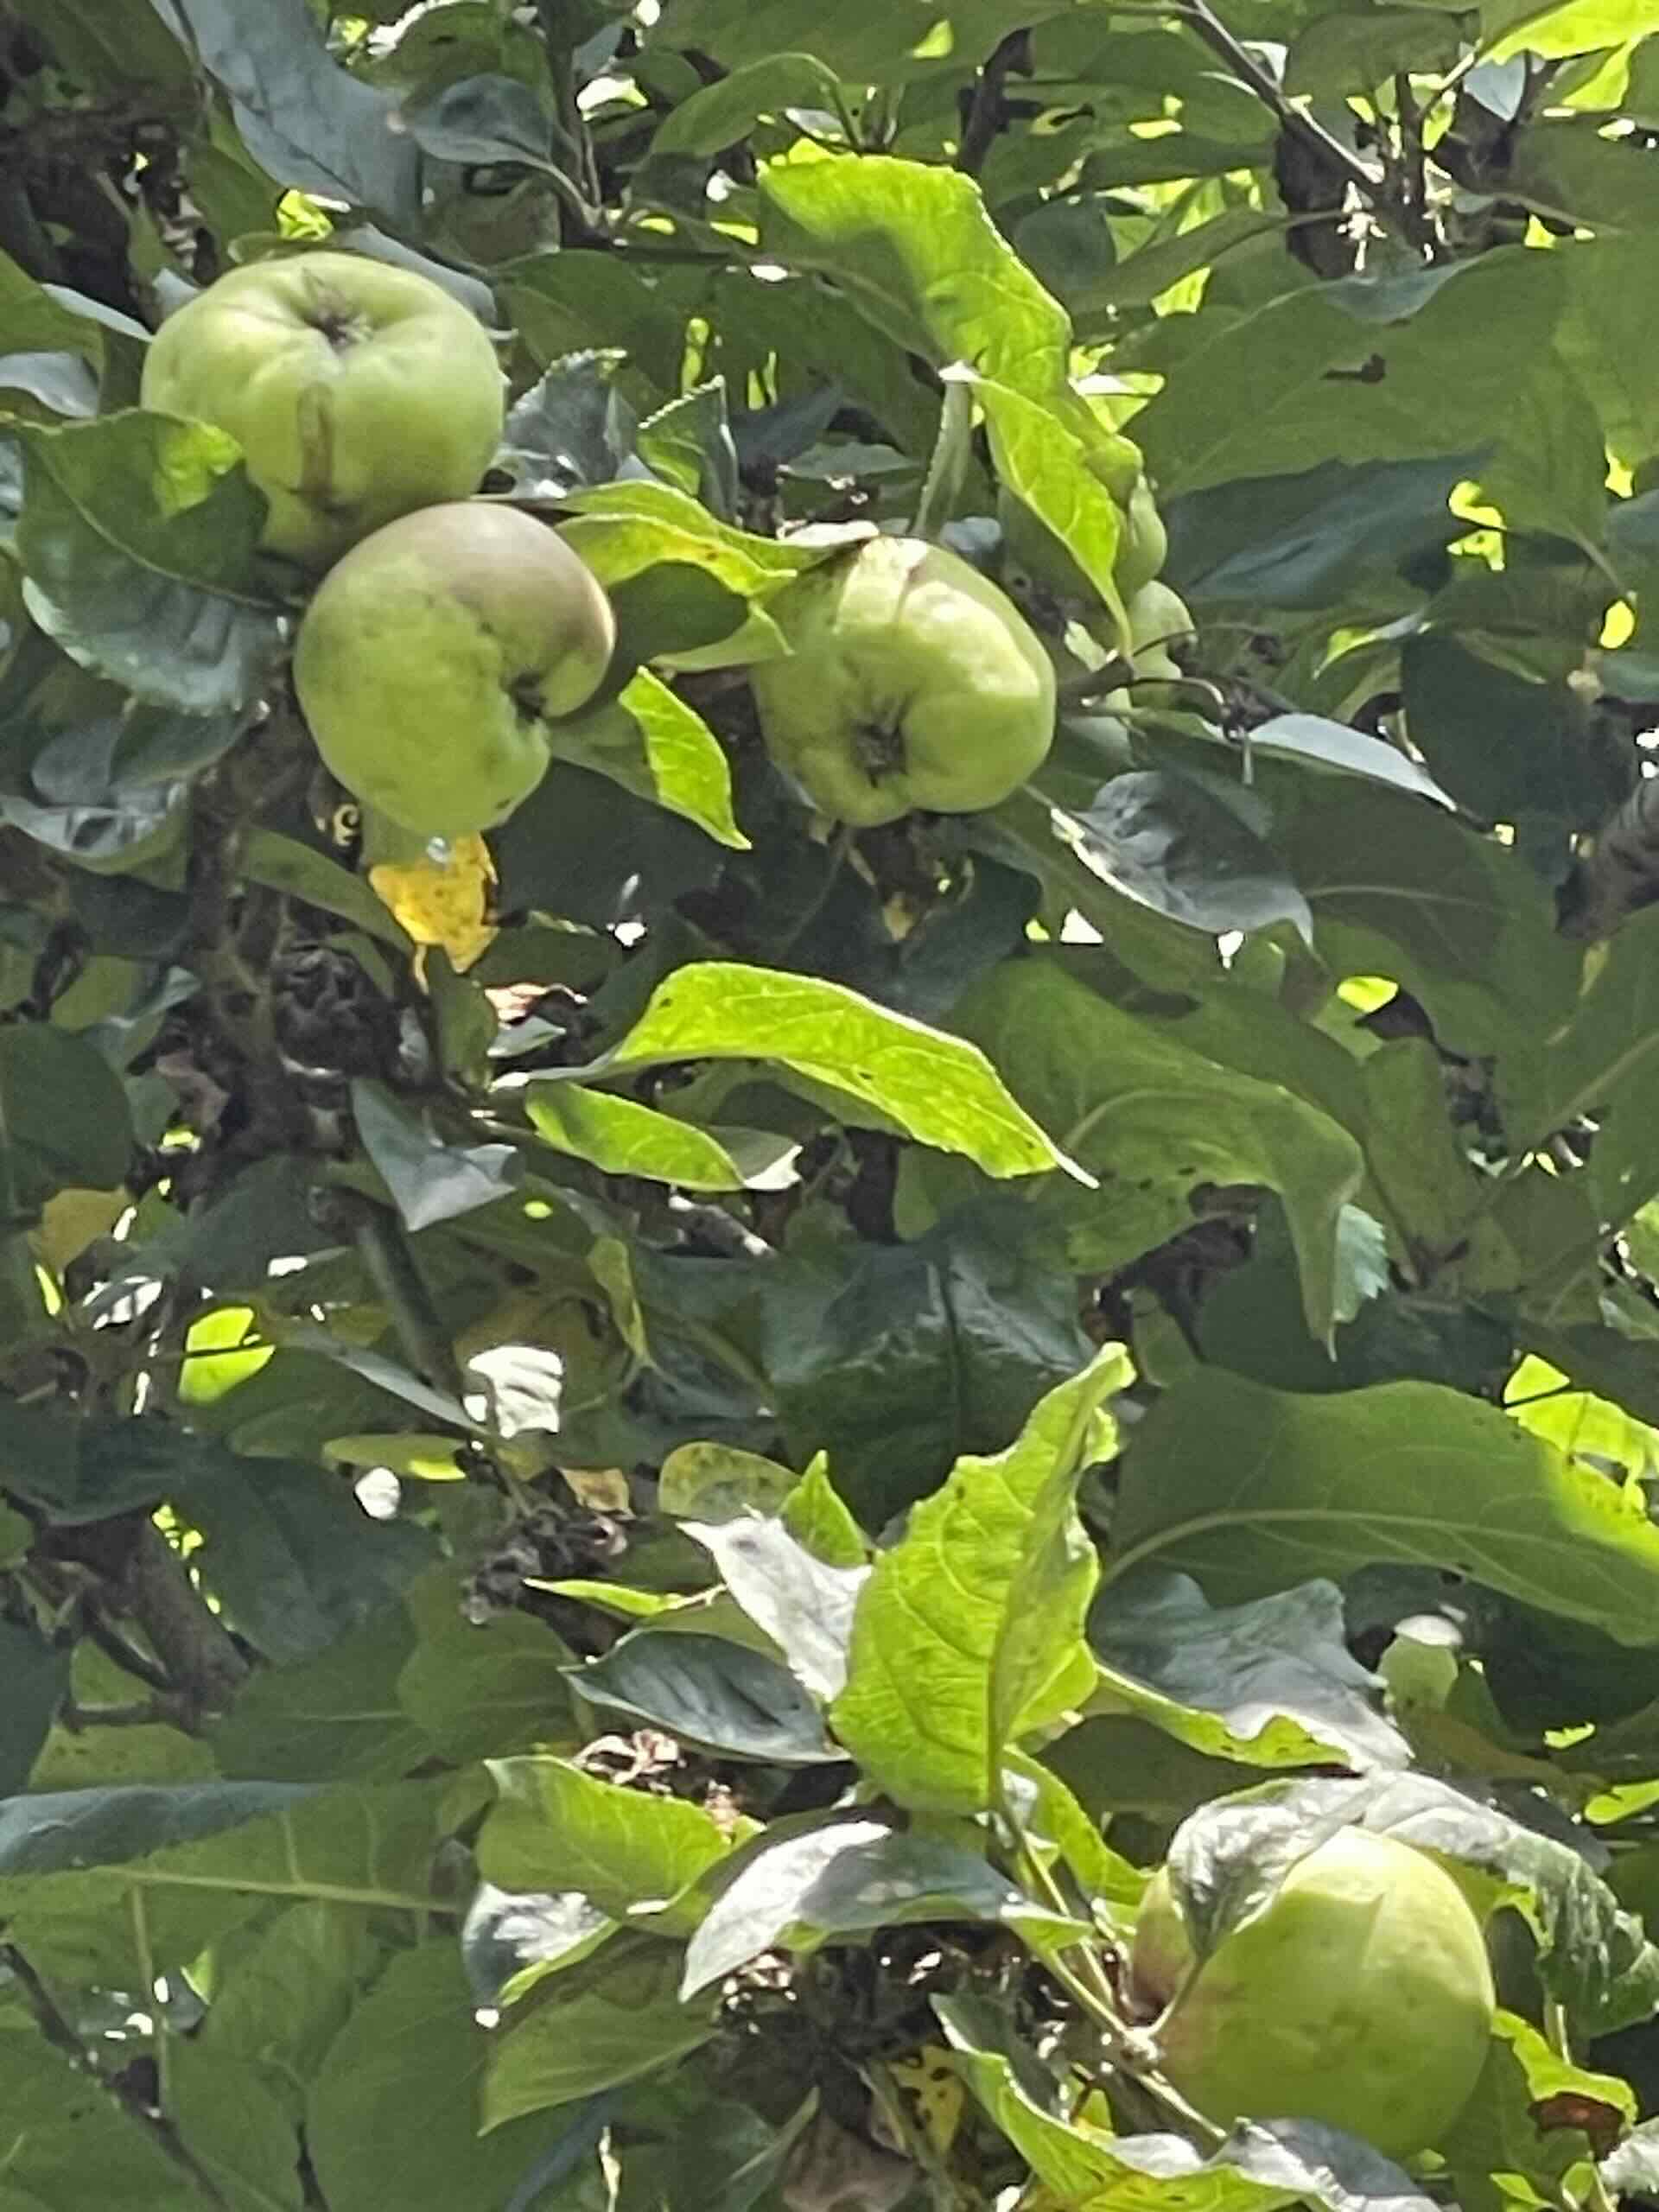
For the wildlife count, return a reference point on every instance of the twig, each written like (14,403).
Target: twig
(127,1657)
(56,2030)
(985,117)
(1414,198)
(145,1713)
(44,2006)
(197,1651)
(1216,36)
(390,1265)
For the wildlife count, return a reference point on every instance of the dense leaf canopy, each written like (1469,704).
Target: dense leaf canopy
(649,1460)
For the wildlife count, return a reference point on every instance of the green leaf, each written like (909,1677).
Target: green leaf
(815,1513)
(1141,277)
(63,1118)
(1308,539)
(805,1606)
(555,1827)
(136,541)
(1045,464)
(711,1693)
(309,123)
(335,1717)
(288,1550)
(287,1992)
(72,2145)
(605,2020)
(1042,838)
(968,1634)
(689,444)
(716,1482)
(914,250)
(1252,1491)
(510,1939)
(622,1137)
(651,743)
(394,2114)
(1052,1818)
(430,1180)
(1569,27)
(1353,372)
(725,111)
(905,1358)
(1172,843)
(851,1876)
(1312,742)
(233,2125)
(575,299)
(1354,51)
(480,1691)
(1017,2092)
(1497,2133)
(1604,1061)
(925,37)
(40,319)
(1271,1683)
(1151,1120)
(36,1675)
(284,864)
(1256,2169)
(197,1860)
(1399,890)
(1608,334)
(940,1090)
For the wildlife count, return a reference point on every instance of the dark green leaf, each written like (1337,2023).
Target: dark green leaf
(395,2110)
(710,1693)
(430,1180)
(604,2021)
(901,1361)
(288,1550)
(1271,1683)
(851,1876)
(1405,1471)
(136,542)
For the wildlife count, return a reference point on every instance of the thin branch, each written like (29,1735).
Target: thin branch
(44,2006)
(1249,72)
(390,1265)
(125,1654)
(197,1651)
(985,116)
(56,2030)
(146,1713)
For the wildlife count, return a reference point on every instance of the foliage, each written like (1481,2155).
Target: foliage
(650,1462)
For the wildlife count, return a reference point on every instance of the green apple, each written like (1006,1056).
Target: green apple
(1142,541)
(434,656)
(1158,617)
(1362,1997)
(910,681)
(356,393)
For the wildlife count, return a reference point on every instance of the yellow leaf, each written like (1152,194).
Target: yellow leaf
(936,2089)
(442,902)
(70,1220)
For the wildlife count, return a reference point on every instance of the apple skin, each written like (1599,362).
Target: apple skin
(1362,1997)
(1143,542)
(434,655)
(1159,618)
(911,681)
(356,393)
